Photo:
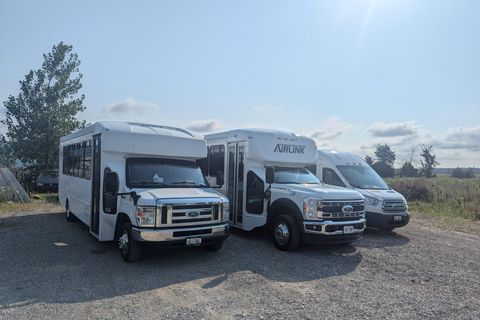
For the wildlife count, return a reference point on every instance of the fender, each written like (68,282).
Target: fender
(283,206)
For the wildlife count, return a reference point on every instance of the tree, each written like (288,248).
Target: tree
(408,170)
(369,160)
(6,158)
(384,154)
(45,110)
(429,162)
(385,159)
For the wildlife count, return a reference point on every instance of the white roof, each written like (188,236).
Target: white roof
(145,139)
(271,147)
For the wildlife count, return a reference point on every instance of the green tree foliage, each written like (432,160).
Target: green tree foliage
(463,174)
(385,158)
(469,174)
(408,170)
(429,162)
(45,110)
(369,160)
(384,154)
(6,158)
(457,173)
(383,170)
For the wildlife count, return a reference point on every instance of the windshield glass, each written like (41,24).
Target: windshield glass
(47,175)
(166,173)
(362,177)
(294,175)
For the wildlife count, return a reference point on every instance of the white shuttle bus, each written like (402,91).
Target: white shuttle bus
(138,183)
(385,208)
(268,183)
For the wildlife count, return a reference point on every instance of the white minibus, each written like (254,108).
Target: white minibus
(138,183)
(268,183)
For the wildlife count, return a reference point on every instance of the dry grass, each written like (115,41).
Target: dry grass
(442,196)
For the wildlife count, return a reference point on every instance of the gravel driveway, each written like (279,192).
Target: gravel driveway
(50,268)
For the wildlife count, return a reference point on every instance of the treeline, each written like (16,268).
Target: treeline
(385,157)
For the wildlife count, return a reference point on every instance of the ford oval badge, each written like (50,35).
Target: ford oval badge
(193,213)
(347,209)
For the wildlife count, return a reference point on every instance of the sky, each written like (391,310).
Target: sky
(350,74)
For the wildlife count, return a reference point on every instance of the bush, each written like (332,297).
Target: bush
(383,170)
(457,173)
(469,174)
(408,170)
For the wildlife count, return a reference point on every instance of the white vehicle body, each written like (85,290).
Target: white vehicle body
(267,182)
(134,183)
(385,208)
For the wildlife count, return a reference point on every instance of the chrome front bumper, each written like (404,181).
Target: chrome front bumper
(168,235)
(322,227)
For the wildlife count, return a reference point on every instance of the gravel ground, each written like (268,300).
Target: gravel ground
(50,268)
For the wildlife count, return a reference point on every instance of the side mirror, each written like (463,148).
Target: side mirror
(269,175)
(220,178)
(112,182)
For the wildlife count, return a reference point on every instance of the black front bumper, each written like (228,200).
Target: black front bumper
(387,221)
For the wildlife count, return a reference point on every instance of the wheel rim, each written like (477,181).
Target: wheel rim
(282,234)
(123,242)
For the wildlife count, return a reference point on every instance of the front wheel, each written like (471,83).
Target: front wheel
(129,249)
(285,233)
(69,215)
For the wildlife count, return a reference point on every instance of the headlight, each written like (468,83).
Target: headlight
(310,208)
(371,201)
(146,216)
(225,212)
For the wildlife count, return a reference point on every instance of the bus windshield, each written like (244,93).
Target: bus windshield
(294,175)
(164,173)
(362,177)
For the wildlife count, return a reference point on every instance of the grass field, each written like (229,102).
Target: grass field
(441,196)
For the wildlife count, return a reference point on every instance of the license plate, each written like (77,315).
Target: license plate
(348,229)
(397,218)
(194,241)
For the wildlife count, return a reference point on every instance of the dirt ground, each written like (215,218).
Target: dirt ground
(52,269)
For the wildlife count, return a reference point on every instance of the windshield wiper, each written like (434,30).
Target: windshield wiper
(149,183)
(188,183)
(357,186)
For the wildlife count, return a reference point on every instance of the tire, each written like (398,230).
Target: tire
(69,215)
(129,249)
(285,233)
(214,247)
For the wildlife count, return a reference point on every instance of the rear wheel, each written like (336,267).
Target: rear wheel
(129,249)
(285,233)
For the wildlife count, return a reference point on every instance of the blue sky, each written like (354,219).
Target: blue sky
(349,73)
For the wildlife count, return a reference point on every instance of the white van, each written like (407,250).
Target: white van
(386,209)
(139,183)
(267,182)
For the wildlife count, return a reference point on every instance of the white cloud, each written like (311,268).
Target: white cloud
(267,108)
(128,108)
(460,138)
(332,129)
(395,129)
(205,125)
